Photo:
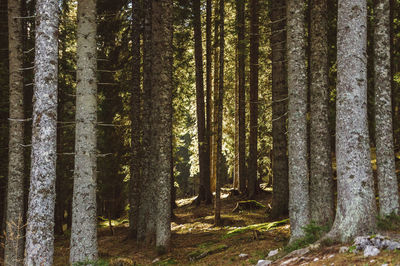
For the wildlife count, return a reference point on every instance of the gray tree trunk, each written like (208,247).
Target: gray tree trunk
(356,207)
(279,109)
(162,85)
(387,180)
(299,211)
(14,246)
(39,247)
(84,218)
(321,180)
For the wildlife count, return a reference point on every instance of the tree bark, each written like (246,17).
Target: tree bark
(136,135)
(84,207)
(162,85)
(39,247)
(299,211)
(356,207)
(14,246)
(321,180)
(254,46)
(241,47)
(217,207)
(279,109)
(208,91)
(204,190)
(387,180)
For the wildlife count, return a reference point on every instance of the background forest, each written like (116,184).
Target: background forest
(208,111)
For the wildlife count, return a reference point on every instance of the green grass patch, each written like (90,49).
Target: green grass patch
(313,232)
(204,250)
(263,227)
(98,262)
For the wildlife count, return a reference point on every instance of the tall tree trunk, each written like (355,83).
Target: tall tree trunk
(254,45)
(147,211)
(356,207)
(84,209)
(208,92)
(14,247)
(162,86)
(241,47)
(39,247)
(136,177)
(321,179)
(279,109)
(204,190)
(387,180)
(299,211)
(217,219)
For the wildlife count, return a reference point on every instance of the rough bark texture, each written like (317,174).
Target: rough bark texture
(84,218)
(146,219)
(217,206)
(208,91)
(135,181)
(14,246)
(204,190)
(241,47)
(387,180)
(356,208)
(279,109)
(321,179)
(39,247)
(299,211)
(254,45)
(162,85)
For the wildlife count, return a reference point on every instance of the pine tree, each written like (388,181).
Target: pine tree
(84,218)
(356,207)
(321,180)
(387,180)
(39,246)
(14,246)
(299,211)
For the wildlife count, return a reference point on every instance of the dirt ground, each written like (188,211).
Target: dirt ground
(195,241)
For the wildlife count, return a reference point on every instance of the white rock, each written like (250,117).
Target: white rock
(372,261)
(385,264)
(316,259)
(343,249)
(272,253)
(331,256)
(156,260)
(263,262)
(243,255)
(371,251)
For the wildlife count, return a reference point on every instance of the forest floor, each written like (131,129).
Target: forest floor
(196,241)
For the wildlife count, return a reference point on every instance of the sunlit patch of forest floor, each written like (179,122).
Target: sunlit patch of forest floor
(196,241)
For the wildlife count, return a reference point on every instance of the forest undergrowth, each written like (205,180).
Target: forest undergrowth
(196,241)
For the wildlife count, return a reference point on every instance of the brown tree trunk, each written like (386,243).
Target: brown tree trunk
(241,47)
(217,207)
(279,109)
(204,190)
(208,93)
(254,45)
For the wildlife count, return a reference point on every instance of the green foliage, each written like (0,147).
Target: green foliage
(313,232)
(206,249)
(255,227)
(169,261)
(390,222)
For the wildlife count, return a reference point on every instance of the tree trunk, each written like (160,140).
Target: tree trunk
(387,180)
(136,134)
(204,190)
(241,47)
(217,219)
(14,247)
(321,179)
(84,209)
(39,247)
(162,86)
(147,211)
(356,207)
(279,109)
(208,92)
(254,45)
(299,211)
